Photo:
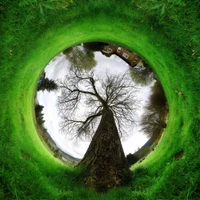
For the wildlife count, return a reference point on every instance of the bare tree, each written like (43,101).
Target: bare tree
(110,104)
(81,88)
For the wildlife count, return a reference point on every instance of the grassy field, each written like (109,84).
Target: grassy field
(164,33)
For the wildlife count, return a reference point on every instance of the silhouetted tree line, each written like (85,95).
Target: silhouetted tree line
(43,131)
(46,84)
(39,115)
(153,120)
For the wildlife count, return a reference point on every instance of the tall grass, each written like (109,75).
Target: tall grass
(164,33)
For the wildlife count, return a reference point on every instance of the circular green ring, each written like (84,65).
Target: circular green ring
(151,47)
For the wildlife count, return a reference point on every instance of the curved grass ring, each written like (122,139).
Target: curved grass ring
(30,155)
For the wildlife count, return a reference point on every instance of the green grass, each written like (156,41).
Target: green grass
(164,33)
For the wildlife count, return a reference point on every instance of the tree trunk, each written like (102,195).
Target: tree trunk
(104,162)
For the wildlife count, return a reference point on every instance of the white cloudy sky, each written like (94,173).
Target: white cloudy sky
(57,69)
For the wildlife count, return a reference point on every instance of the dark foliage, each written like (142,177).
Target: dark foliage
(81,57)
(47,84)
(93,46)
(39,115)
(131,158)
(142,75)
(153,120)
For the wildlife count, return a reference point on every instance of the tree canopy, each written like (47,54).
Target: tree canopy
(83,90)
(46,84)
(80,56)
(153,120)
(142,75)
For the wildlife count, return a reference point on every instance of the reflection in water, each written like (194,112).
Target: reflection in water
(86,57)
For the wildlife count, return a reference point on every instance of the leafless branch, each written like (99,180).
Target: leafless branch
(83,90)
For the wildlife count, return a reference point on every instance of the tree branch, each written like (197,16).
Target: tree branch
(83,90)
